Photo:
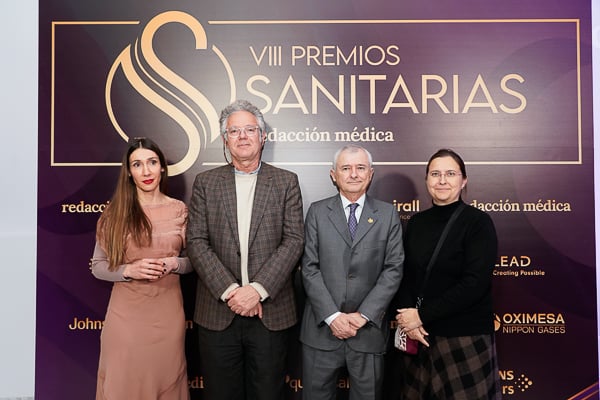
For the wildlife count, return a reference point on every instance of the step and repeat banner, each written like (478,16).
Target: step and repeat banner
(506,84)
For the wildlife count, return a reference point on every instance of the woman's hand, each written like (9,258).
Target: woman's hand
(408,319)
(418,334)
(145,268)
(170,264)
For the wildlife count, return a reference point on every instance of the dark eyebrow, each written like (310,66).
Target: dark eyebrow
(147,159)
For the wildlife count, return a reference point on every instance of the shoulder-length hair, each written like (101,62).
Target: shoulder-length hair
(447,153)
(124,219)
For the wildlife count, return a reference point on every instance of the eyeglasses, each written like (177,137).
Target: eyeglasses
(249,130)
(448,174)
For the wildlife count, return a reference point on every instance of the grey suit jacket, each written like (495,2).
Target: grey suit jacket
(276,242)
(348,276)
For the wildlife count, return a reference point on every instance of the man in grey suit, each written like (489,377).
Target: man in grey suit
(245,236)
(351,269)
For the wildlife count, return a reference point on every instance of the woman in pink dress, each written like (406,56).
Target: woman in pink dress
(139,239)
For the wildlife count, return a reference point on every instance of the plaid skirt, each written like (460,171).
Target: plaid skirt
(463,367)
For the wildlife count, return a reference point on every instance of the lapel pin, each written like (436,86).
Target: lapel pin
(370,220)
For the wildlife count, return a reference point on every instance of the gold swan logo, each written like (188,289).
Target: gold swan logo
(184,104)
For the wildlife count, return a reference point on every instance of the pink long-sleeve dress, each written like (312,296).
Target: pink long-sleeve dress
(142,352)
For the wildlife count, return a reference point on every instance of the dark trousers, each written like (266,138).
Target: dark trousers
(246,361)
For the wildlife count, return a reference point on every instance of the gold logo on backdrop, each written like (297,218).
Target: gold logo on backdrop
(540,323)
(514,382)
(144,71)
(184,97)
(190,109)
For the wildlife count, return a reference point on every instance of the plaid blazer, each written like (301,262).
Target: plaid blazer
(276,242)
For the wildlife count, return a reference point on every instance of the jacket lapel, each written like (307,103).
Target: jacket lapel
(368,219)
(338,219)
(261,197)
(228,194)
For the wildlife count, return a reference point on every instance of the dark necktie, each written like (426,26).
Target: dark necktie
(352,223)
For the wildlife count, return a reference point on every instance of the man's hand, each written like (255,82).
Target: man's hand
(357,321)
(254,312)
(342,328)
(244,301)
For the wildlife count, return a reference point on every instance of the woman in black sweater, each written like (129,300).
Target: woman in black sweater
(455,321)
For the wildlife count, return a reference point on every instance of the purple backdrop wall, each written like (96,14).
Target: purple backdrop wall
(508,86)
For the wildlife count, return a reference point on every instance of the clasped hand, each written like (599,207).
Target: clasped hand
(245,301)
(408,319)
(150,268)
(345,326)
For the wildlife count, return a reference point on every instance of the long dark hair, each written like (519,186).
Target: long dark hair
(124,215)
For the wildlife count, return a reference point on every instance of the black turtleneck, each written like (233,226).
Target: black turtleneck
(458,296)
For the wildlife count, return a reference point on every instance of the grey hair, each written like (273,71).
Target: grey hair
(352,148)
(241,105)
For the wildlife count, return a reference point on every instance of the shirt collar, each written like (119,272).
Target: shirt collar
(360,201)
(238,172)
